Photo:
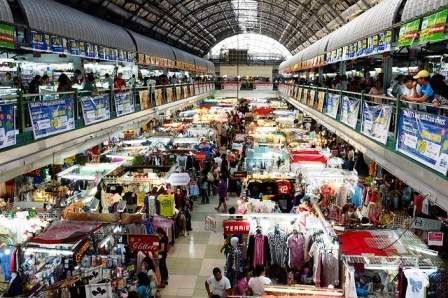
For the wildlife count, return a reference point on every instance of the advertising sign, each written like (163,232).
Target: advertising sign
(39,41)
(163,222)
(210,224)
(376,121)
(90,50)
(408,33)
(169,94)
(349,113)
(7,125)
(236,227)
(121,55)
(320,101)
(95,108)
(384,41)
(192,90)
(435,238)
(178,179)
(372,45)
(7,37)
(82,49)
(423,137)
(74,47)
(426,224)
(58,44)
(145,102)
(178,93)
(351,51)
(362,47)
(143,243)
(311,98)
(433,27)
(185,88)
(51,117)
(332,105)
(124,103)
(102,52)
(159,97)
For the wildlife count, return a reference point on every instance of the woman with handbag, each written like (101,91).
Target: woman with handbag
(222,193)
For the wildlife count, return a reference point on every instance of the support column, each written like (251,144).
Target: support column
(387,71)
(342,67)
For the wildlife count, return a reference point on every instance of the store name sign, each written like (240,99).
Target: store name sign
(426,224)
(435,238)
(240,174)
(81,252)
(236,227)
(143,243)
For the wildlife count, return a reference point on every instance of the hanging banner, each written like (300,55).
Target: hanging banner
(121,56)
(362,44)
(196,90)
(372,45)
(7,36)
(74,48)
(102,52)
(51,117)
(423,137)
(179,179)
(94,275)
(124,103)
(163,222)
(192,90)
(169,94)
(143,243)
(332,105)
(408,33)
(384,41)
(311,98)
(159,97)
(82,49)
(345,53)
(210,224)
(433,27)
(58,45)
(39,41)
(178,93)
(130,57)
(349,113)
(95,108)
(376,121)
(320,101)
(236,227)
(113,54)
(185,88)
(90,50)
(145,101)
(7,125)
(351,51)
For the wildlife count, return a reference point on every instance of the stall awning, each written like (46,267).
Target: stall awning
(211,66)
(5,12)
(414,9)
(322,49)
(54,18)
(183,56)
(263,111)
(66,231)
(308,158)
(152,47)
(200,62)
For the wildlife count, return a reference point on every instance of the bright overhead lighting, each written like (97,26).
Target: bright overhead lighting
(425,250)
(48,250)
(381,267)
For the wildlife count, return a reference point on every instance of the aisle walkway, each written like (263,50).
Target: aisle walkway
(192,259)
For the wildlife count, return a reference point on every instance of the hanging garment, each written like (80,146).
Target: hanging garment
(278,246)
(296,245)
(330,269)
(258,251)
(234,264)
(350,285)
(417,283)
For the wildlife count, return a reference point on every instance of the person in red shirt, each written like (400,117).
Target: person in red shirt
(418,203)
(119,83)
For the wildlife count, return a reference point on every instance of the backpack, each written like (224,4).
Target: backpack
(210,177)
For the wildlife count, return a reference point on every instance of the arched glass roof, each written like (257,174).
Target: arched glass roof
(259,47)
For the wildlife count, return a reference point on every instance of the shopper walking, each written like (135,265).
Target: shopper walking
(163,253)
(222,193)
(203,188)
(221,285)
(256,284)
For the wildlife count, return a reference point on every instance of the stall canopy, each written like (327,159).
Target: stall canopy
(263,111)
(200,62)
(54,18)
(67,231)
(152,47)
(414,9)
(211,66)
(183,56)
(5,12)
(322,49)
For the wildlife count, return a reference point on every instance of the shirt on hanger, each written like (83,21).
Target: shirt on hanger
(417,282)
(166,205)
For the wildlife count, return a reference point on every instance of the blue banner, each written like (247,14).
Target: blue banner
(90,50)
(51,117)
(130,57)
(384,41)
(95,108)
(332,105)
(58,45)
(7,125)
(121,55)
(350,110)
(39,41)
(124,103)
(423,137)
(102,52)
(372,45)
(376,121)
(82,49)
(351,51)
(74,48)
(113,54)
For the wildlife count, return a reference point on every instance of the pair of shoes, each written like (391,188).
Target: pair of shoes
(216,208)
(224,211)
(190,229)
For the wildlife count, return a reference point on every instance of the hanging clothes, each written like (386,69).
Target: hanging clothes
(278,246)
(417,283)
(296,245)
(330,269)
(258,251)
(234,264)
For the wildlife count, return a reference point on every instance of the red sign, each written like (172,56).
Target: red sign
(435,238)
(143,242)
(201,156)
(236,227)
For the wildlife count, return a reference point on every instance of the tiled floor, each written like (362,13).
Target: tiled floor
(192,259)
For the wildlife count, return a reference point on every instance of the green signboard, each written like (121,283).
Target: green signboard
(7,36)
(408,33)
(433,27)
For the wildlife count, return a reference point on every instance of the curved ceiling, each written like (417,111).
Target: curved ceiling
(197,25)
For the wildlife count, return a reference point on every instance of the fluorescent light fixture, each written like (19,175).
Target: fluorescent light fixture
(48,250)
(425,250)
(381,267)
(6,60)
(104,241)
(94,204)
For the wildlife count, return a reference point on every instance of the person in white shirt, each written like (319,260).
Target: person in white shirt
(256,284)
(221,284)
(409,92)
(132,80)
(109,81)
(218,161)
(399,87)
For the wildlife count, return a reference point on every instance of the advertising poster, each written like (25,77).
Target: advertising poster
(58,45)
(82,49)
(362,45)
(7,37)
(351,51)
(408,33)
(384,41)
(305,94)
(178,93)
(95,108)
(372,45)
(185,91)
(121,55)
(311,98)
(102,52)
(345,53)
(433,27)
(169,95)
(349,113)
(113,54)
(320,101)
(332,105)
(90,50)
(39,41)
(7,126)
(210,224)
(192,90)
(376,121)
(338,54)
(124,103)
(196,90)
(423,137)
(145,102)
(74,47)
(159,97)
(51,117)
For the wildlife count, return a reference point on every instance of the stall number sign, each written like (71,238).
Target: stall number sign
(210,224)
(143,243)
(236,227)
(435,238)
(81,252)
(426,224)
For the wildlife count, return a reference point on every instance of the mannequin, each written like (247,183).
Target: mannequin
(234,262)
